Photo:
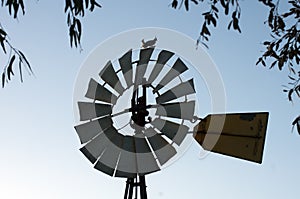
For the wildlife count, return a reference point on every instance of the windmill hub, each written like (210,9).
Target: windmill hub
(139,115)
(139,107)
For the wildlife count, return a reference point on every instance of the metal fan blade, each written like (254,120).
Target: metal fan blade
(126,67)
(89,110)
(178,68)
(172,130)
(242,136)
(99,92)
(162,149)
(146,162)
(180,90)
(145,55)
(93,149)
(109,75)
(108,160)
(127,165)
(162,59)
(181,110)
(89,130)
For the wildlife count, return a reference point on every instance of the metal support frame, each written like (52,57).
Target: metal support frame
(132,185)
(139,112)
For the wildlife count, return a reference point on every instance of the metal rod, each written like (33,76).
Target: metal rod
(136,188)
(143,190)
(133,185)
(131,189)
(126,189)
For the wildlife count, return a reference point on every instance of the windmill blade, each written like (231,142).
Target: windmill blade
(110,77)
(93,149)
(242,136)
(145,55)
(178,68)
(180,90)
(89,130)
(126,67)
(146,162)
(88,110)
(127,165)
(181,110)
(108,160)
(162,149)
(172,130)
(98,92)
(162,59)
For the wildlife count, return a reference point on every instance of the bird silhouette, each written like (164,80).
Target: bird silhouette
(149,43)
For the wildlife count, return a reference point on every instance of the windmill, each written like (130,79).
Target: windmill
(140,107)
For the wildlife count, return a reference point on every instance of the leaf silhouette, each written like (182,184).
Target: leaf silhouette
(87,4)
(93,4)
(3,79)
(298,128)
(2,32)
(16,8)
(26,61)
(195,2)
(236,24)
(78,23)
(223,3)
(20,69)
(229,25)
(205,30)
(186,4)
(3,46)
(67,5)
(291,78)
(214,8)
(290,94)
(9,68)
(22,6)
(297,123)
(174,4)
(227,8)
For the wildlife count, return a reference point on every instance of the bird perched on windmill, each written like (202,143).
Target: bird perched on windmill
(149,43)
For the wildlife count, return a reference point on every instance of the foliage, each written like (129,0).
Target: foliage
(210,17)
(74,9)
(13,53)
(13,9)
(284,46)
(283,50)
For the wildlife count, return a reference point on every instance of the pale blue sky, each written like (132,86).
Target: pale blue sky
(39,147)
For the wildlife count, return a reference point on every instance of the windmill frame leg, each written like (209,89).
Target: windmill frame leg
(132,185)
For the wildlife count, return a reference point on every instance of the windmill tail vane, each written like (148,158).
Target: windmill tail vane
(242,135)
